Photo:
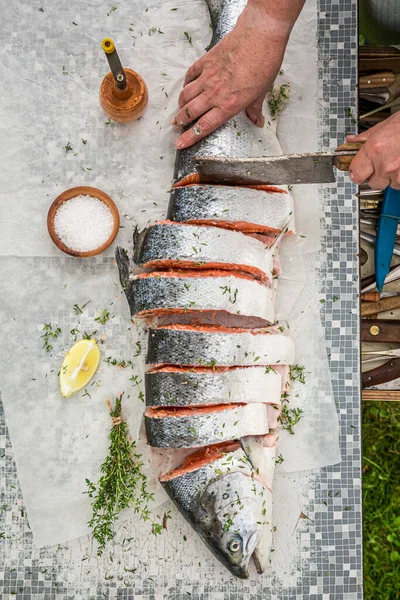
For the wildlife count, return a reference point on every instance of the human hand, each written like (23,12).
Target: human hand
(233,76)
(378,161)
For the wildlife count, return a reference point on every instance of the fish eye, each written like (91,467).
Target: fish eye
(234,546)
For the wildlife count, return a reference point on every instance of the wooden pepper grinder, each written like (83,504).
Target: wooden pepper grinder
(123,93)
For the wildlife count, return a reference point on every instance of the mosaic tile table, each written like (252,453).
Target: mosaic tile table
(332,543)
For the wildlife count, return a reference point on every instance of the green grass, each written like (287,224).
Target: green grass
(381,491)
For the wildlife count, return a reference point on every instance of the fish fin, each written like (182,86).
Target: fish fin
(123,263)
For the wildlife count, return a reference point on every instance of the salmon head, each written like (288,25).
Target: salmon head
(230,520)
(227,505)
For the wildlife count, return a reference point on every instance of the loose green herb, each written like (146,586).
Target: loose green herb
(279,459)
(84,141)
(232,294)
(49,332)
(78,310)
(188,37)
(88,335)
(111,10)
(269,369)
(122,483)
(68,147)
(103,317)
(278,97)
(138,349)
(187,113)
(290,417)
(297,373)
(74,333)
(118,363)
(349,113)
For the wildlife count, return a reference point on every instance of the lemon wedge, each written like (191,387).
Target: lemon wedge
(79,366)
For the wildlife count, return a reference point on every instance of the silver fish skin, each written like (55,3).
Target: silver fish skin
(227,506)
(165,291)
(194,347)
(243,209)
(202,429)
(187,388)
(201,246)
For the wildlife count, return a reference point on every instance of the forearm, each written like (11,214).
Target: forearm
(277,16)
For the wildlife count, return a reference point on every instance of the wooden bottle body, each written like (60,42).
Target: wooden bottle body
(118,107)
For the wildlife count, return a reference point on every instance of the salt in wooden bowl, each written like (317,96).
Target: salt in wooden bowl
(68,195)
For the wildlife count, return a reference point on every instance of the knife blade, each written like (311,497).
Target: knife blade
(316,167)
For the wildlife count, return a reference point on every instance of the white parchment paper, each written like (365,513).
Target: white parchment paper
(133,163)
(57,442)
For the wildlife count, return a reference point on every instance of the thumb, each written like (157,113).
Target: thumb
(361,137)
(254,111)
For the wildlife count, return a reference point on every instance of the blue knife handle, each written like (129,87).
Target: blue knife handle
(386,234)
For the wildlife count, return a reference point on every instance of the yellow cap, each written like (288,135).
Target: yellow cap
(108,45)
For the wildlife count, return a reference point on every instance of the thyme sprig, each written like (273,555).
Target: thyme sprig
(122,483)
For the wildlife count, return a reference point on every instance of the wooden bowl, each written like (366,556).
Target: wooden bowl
(72,193)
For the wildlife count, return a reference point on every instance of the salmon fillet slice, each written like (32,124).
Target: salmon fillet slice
(256,209)
(201,458)
(201,297)
(169,245)
(178,386)
(194,426)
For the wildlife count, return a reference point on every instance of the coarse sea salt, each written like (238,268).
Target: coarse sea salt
(83,223)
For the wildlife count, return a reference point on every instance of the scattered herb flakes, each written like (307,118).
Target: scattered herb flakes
(188,37)
(232,294)
(277,99)
(279,459)
(290,417)
(118,363)
(322,301)
(138,349)
(41,9)
(112,9)
(107,122)
(281,72)
(153,30)
(64,72)
(297,373)
(187,113)
(68,147)
(122,483)
(49,333)
(335,299)
(103,317)
(89,335)
(78,310)
(84,141)
(347,508)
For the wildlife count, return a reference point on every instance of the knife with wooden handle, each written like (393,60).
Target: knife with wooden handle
(316,167)
(380,330)
(387,372)
(384,305)
(376,80)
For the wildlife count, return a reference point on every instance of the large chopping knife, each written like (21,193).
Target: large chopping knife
(317,167)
